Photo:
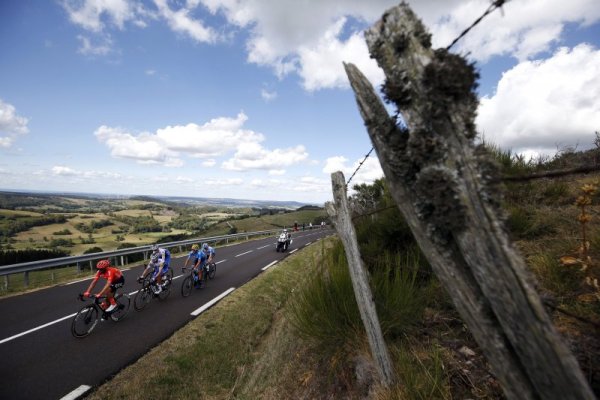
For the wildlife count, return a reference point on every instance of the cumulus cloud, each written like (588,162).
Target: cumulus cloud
(268,95)
(94,15)
(11,124)
(181,21)
(64,171)
(218,137)
(214,138)
(544,104)
(101,47)
(322,65)
(254,156)
(523,30)
(312,38)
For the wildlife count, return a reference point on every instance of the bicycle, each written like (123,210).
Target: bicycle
(86,319)
(149,289)
(192,279)
(189,282)
(212,271)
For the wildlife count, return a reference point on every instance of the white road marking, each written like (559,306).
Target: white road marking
(81,280)
(269,245)
(270,265)
(293,251)
(200,310)
(8,339)
(219,262)
(307,244)
(76,393)
(245,253)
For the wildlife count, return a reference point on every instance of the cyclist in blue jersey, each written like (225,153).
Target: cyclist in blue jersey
(160,260)
(195,259)
(210,253)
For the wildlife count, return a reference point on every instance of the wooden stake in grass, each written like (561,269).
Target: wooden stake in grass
(584,218)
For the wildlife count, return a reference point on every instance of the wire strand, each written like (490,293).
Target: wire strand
(496,4)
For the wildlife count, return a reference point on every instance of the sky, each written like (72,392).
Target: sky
(248,99)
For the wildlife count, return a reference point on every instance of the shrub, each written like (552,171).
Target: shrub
(93,250)
(325,308)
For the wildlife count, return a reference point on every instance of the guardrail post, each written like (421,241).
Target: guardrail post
(78,267)
(6,281)
(91,266)
(26,278)
(122,260)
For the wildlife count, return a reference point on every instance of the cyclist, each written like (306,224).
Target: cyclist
(114,280)
(209,256)
(210,253)
(195,257)
(160,260)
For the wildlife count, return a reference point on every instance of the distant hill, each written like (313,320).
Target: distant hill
(194,201)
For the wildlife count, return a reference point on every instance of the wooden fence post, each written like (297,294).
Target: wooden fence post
(340,215)
(445,188)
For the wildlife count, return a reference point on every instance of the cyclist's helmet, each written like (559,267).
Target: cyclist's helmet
(155,248)
(285,231)
(103,264)
(205,246)
(195,247)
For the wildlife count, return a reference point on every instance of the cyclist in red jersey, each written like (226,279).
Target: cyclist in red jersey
(114,280)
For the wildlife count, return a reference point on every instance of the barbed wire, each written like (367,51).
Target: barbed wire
(359,165)
(495,4)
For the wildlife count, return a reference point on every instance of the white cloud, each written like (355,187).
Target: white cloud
(211,162)
(542,104)
(277,172)
(224,182)
(64,171)
(144,147)
(254,156)
(181,21)
(93,15)
(216,137)
(11,124)
(524,29)
(268,95)
(322,65)
(101,48)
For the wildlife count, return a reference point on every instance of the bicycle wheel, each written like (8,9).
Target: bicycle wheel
(165,292)
(85,321)
(142,298)
(212,270)
(123,303)
(187,286)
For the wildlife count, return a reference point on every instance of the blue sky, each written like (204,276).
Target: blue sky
(248,99)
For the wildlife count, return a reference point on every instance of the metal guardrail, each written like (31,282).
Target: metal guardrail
(77,260)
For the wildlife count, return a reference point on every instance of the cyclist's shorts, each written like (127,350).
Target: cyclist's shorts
(117,284)
(163,271)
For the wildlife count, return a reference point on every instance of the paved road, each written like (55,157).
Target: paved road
(42,360)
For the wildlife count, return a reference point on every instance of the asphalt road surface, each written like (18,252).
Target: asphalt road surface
(42,360)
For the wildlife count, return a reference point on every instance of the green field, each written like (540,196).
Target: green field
(106,224)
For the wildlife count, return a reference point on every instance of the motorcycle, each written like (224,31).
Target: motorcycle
(283,242)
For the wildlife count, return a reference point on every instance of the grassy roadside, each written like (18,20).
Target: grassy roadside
(241,348)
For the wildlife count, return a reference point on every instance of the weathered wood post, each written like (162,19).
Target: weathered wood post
(340,215)
(444,187)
